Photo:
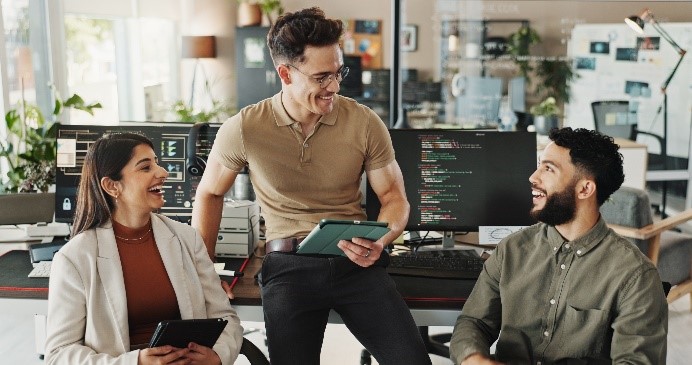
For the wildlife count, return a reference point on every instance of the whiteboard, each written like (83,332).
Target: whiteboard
(615,63)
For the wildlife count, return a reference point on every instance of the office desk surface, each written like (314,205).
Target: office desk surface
(433,310)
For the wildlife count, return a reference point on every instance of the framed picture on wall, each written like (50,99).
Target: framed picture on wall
(409,38)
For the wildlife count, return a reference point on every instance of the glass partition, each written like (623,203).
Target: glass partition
(538,64)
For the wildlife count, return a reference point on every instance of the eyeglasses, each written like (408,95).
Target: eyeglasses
(324,81)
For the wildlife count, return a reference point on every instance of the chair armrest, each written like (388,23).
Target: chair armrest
(660,140)
(653,229)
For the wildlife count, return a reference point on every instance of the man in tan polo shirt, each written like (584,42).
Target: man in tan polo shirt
(306,148)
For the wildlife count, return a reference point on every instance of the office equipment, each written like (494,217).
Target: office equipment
(30,208)
(41,269)
(239,229)
(458,264)
(45,251)
(170,143)
(516,91)
(352,85)
(478,101)
(458,180)
(324,237)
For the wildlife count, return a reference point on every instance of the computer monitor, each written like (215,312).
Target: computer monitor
(460,180)
(170,145)
(516,92)
(352,85)
(478,104)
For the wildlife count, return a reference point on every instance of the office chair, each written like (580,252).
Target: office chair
(628,213)
(617,119)
(252,353)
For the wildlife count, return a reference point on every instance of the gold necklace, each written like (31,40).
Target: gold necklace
(133,239)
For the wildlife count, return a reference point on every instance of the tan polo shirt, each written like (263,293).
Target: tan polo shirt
(299,180)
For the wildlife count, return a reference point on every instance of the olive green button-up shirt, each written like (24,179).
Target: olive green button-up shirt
(596,299)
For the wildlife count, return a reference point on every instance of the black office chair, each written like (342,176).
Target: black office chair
(252,353)
(616,119)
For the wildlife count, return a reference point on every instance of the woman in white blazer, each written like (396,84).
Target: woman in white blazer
(126,268)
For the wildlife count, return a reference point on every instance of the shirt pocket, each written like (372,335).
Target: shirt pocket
(584,332)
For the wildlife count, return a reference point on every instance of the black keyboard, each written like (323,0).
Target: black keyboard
(456,264)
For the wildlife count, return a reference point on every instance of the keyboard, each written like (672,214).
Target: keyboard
(41,270)
(455,264)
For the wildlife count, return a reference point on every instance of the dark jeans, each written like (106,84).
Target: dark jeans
(299,290)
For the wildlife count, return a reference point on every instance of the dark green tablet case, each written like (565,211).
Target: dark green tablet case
(325,236)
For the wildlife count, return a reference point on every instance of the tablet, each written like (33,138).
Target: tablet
(178,333)
(325,236)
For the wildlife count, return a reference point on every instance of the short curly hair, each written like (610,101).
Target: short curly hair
(292,32)
(595,155)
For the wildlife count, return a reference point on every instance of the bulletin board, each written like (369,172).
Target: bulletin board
(615,63)
(364,38)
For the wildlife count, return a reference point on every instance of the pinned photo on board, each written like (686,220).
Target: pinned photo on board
(585,63)
(626,54)
(637,88)
(649,43)
(600,47)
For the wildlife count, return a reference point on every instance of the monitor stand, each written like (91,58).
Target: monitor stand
(447,238)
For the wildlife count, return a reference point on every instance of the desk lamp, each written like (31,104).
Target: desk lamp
(198,47)
(637,22)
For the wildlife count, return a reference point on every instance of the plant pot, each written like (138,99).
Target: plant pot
(545,123)
(249,14)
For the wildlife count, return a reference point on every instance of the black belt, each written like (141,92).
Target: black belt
(283,244)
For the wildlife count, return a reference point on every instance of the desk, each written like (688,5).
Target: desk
(439,311)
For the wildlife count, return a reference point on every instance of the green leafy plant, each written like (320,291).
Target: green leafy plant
(30,146)
(556,76)
(547,107)
(519,45)
(218,112)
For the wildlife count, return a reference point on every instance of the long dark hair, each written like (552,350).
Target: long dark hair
(105,158)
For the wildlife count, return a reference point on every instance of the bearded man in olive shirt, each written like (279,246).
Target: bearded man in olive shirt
(568,289)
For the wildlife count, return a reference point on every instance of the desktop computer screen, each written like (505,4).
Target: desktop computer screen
(170,145)
(460,180)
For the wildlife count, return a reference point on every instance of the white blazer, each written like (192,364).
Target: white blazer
(87,307)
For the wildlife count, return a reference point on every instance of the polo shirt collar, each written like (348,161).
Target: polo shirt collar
(584,243)
(283,119)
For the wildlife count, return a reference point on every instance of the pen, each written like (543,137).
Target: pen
(229,273)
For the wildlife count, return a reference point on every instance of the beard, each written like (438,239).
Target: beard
(560,207)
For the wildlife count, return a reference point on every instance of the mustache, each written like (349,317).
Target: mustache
(534,187)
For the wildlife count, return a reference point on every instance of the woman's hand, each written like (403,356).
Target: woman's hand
(202,355)
(163,355)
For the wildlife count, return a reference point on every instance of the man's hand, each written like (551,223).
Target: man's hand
(202,355)
(478,359)
(227,288)
(361,251)
(163,355)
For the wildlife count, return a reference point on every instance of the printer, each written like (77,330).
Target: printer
(239,229)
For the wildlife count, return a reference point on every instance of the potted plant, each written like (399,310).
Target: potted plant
(545,115)
(556,74)
(30,146)
(219,111)
(249,13)
(519,44)
(269,7)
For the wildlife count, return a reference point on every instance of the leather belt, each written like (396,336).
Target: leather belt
(283,244)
